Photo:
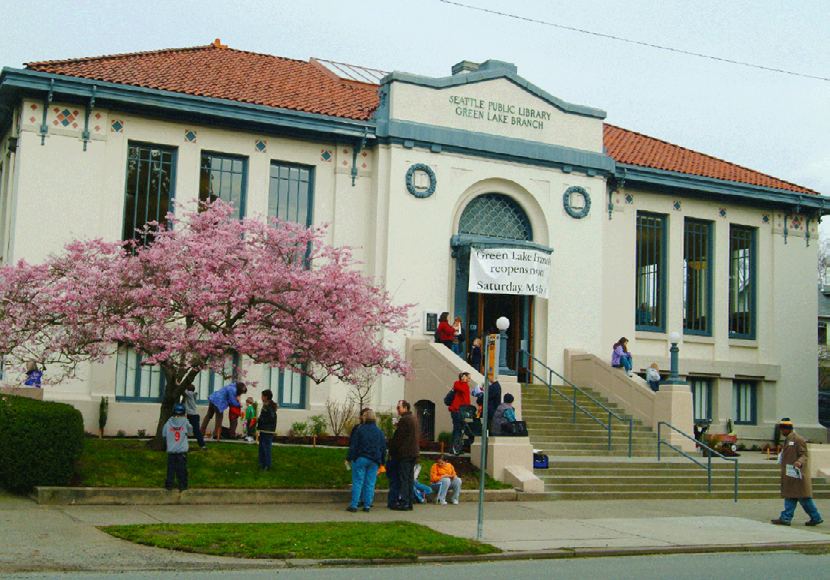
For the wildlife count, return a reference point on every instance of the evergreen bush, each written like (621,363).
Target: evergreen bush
(40,443)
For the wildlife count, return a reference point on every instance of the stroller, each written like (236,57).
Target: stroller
(470,428)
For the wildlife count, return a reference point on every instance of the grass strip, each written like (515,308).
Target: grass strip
(118,463)
(326,540)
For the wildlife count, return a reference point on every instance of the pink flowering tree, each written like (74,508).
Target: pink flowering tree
(206,287)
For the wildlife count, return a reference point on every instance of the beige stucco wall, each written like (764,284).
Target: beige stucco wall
(495,107)
(60,192)
(781,358)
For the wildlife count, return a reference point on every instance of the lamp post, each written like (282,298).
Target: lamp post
(674,378)
(503,324)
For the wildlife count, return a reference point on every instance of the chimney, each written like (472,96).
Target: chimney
(463,67)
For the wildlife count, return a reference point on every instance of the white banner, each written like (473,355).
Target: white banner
(509,271)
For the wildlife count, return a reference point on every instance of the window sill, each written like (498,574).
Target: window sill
(650,335)
(698,338)
(743,343)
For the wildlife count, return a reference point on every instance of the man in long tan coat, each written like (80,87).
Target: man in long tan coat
(795,477)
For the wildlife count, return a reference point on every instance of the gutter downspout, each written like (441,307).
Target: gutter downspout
(12,170)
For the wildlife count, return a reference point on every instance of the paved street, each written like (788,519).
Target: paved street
(43,539)
(735,566)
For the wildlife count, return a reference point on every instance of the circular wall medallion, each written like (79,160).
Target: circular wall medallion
(577,202)
(415,180)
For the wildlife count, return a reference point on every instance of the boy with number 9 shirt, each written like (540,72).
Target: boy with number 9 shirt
(175,433)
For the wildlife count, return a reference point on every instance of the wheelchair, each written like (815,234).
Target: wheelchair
(470,429)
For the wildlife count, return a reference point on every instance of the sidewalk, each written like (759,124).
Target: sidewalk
(48,538)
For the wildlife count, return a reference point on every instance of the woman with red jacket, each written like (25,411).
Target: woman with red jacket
(461,387)
(446,332)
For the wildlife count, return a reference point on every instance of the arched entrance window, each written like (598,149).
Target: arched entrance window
(494,220)
(497,216)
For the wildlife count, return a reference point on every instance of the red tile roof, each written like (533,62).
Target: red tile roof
(630,148)
(223,73)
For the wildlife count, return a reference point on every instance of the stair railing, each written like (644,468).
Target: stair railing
(548,382)
(709,454)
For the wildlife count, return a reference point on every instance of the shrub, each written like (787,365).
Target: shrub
(386,425)
(121,434)
(41,443)
(318,425)
(142,433)
(445,437)
(299,429)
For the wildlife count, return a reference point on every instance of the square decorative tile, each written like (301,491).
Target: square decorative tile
(326,155)
(190,135)
(629,198)
(765,219)
(722,212)
(117,126)
(261,145)
(676,206)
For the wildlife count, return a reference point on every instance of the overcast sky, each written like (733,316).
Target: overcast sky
(772,122)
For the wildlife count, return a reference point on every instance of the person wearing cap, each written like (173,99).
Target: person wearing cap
(795,483)
(175,433)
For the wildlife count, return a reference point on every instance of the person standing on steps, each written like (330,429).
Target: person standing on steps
(796,486)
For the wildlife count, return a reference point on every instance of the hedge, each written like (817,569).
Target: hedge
(40,443)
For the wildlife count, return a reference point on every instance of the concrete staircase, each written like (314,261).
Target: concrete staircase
(582,467)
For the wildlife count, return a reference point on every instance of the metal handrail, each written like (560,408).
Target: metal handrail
(711,451)
(551,389)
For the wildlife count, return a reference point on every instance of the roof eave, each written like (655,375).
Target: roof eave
(14,81)
(727,190)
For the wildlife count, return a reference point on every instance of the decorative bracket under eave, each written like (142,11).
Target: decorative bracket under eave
(619,183)
(85,134)
(357,150)
(44,128)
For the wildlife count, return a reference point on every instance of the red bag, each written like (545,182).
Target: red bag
(234,412)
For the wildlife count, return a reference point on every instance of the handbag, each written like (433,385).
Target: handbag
(449,397)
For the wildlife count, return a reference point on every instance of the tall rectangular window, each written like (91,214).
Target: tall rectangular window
(288,386)
(701,398)
(291,193)
(223,177)
(206,382)
(135,381)
(742,261)
(745,402)
(651,272)
(149,187)
(291,198)
(697,277)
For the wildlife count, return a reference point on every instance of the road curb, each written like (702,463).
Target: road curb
(161,496)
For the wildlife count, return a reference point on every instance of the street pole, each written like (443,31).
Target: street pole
(491,366)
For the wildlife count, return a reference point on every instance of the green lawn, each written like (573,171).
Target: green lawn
(359,540)
(120,463)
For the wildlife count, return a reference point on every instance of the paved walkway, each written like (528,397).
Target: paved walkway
(44,538)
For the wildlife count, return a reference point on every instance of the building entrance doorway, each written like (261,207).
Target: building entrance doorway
(484,309)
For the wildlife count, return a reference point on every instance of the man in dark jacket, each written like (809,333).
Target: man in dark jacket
(404,451)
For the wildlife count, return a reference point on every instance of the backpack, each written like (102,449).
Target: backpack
(437,335)
(449,397)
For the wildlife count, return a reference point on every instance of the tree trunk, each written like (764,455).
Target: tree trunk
(173,391)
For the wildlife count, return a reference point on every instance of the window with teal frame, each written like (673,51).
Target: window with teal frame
(291,193)
(745,402)
(697,277)
(149,186)
(140,383)
(650,296)
(223,177)
(136,382)
(288,386)
(701,398)
(742,282)
(206,382)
